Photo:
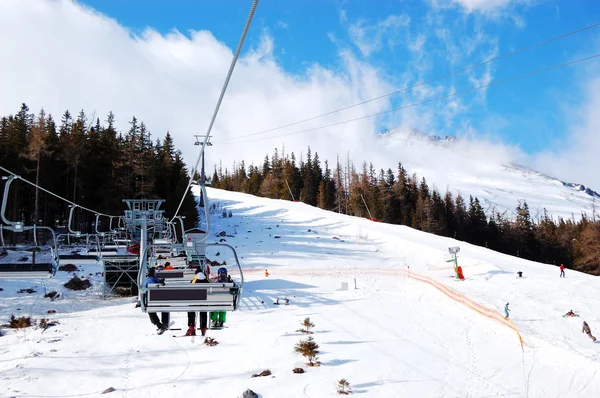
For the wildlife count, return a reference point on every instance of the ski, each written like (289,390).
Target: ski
(161,331)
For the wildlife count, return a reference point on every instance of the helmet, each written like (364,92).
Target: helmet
(151,271)
(222,270)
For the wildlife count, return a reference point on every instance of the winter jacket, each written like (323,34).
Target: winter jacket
(562,267)
(152,279)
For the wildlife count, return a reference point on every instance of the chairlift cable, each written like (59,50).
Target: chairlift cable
(419,103)
(53,194)
(216,111)
(530,47)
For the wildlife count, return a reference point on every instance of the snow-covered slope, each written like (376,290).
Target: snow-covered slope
(393,335)
(473,168)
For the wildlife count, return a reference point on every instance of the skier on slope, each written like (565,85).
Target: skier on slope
(506,311)
(587,330)
(562,271)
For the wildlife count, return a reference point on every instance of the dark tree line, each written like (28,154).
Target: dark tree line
(398,197)
(90,163)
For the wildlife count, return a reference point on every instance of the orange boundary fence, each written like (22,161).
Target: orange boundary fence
(461,298)
(458,297)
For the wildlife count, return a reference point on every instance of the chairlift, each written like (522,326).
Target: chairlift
(30,267)
(179,295)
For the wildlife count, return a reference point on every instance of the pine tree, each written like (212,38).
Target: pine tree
(306,325)
(309,349)
(343,387)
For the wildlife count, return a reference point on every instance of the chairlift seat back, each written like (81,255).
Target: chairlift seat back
(192,297)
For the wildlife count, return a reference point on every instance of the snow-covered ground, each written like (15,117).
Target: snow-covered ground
(394,335)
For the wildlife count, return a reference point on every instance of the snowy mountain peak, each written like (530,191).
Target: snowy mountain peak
(483,170)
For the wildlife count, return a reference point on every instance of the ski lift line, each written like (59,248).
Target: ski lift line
(218,106)
(427,81)
(53,194)
(232,141)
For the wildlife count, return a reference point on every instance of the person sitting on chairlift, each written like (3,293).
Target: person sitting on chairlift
(168,266)
(163,323)
(218,318)
(198,278)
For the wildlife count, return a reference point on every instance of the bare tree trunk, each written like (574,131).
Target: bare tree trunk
(36,212)
(75,182)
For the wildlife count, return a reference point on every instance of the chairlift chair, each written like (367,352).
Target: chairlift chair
(179,295)
(9,268)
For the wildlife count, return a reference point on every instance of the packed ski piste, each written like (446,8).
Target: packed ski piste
(388,313)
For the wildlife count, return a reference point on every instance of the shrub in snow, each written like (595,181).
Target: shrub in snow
(29,290)
(298,370)
(53,295)
(68,268)
(343,387)
(210,341)
(46,323)
(306,325)
(109,389)
(20,322)
(263,373)
(249,394)
(78,284)
(309,349)
(123,291)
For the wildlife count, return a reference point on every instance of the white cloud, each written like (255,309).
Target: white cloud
(282,25)
(417,44)
(76,58)
(371,38)
(343,17)
(485,6)
(577,158)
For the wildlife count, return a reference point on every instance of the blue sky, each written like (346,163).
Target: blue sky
(531,113)
(165,62)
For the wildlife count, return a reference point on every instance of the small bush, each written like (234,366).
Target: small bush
(298,370)
(78,284)
(68,268)
(20,322)
(210,341)
(123,291)
(309,349)
(263,373)
(343,387)
(53,295)
(307,324)
(29,290)
(46,323)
